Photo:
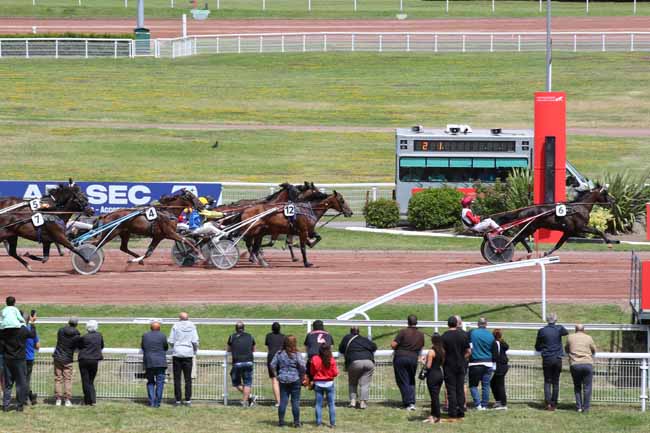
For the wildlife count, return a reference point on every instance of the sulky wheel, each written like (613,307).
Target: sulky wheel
(94,256)
(222,254)
(183,255)
(502,252)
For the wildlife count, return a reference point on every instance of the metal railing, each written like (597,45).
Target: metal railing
(355,194)
(66,47)
(619,378)
(429,42)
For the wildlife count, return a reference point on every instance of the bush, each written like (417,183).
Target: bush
(630,194)
(434,208)
(382,213)
(599,218)
(519,190)
(515,193)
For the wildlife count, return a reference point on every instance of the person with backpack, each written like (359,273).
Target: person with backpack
(324,370)
(498,382)
(359,354)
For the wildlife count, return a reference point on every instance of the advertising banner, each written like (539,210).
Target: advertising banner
(106,197)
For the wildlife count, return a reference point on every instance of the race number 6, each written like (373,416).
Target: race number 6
(151,214)
(560,210)
(34,204)
(37,220)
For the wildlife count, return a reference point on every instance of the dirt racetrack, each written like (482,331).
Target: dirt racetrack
(163,28)
(337,276)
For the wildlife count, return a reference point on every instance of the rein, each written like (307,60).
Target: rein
(330,220)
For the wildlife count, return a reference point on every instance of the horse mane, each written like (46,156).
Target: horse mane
(317,196)
(292,190)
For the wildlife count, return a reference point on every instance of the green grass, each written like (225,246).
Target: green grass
(320,9)
(203,418)
(215,337)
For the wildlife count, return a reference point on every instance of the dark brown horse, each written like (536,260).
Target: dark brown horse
(56,208)
(286,192)
(163,227)
(575,223)
(307,215)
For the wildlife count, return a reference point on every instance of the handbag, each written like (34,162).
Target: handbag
(424,372)
(347,346)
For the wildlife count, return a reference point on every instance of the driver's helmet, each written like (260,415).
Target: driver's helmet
(204,201)
(466,201)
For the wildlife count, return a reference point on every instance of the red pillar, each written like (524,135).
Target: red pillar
(645,286)
(647,221)
(550,142)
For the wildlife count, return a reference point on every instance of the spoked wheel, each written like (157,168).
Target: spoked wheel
(222,254)
(501,250)
(94,256)
(183,255)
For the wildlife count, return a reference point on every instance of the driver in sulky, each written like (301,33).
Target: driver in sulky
(474,222)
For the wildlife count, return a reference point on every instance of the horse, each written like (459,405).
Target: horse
(286,192)
(163,227)
(57,208)
(307,216)
(575,223)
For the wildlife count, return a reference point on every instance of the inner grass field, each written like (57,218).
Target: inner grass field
(341,9)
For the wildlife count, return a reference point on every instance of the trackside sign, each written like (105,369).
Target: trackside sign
(109,196)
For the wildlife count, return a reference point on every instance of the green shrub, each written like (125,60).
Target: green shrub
(382,213)
(599,218)
(519,190)
(630,194)
(490,199)
(434,208)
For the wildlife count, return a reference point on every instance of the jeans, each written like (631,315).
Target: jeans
(498,385)
(62,380)
(15,373)
(182,366)
(405,369)
(155,385)
(552,369)
(290,390)
(28,378)
(482,374)
(582,375)
(88,371)
(360,375)
(455,384)
(320,394)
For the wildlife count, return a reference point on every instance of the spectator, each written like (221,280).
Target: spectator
(15,342)
(581,349)
(359,355)
(314,340)
(498,383)
(480,364)
(549,344)
(407,346)
(433,362)
(154,349)
(456,346)
(289,368)
(242,345)
(90,353)
(11,316)
(66,343)
(324,371)
(185,342)
(31,347)
(274,342)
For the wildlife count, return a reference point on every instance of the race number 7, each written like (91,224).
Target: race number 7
(37,220)
(151,214)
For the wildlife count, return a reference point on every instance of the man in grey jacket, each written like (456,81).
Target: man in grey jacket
(185,342)
(154,349)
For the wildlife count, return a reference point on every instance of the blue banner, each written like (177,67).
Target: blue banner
(106,197)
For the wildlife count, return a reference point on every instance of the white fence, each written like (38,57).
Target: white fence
(66,47)
(423,42)
(619,378)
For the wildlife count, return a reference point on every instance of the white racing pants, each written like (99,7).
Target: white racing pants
(485,226)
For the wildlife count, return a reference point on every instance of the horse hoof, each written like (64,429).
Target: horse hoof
(309,265)
(29,268)
(294,260)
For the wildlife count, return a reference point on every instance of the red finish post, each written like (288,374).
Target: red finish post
(645,286)
(647,221)
(550,121)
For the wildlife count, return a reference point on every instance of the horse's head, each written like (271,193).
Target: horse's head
(308,192)
(602,195)
(182,198)
(338,203)
(69,197)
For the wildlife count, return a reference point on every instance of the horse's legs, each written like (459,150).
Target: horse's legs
(595,231)
(12,243)
(303,248)
(289,243)
(46,253)
(58,248)
(249,247)
(257,251)
(559,244)
(58,236)
(317,239)
(124,245)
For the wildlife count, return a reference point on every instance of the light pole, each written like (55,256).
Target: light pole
(140,22)
(549,47)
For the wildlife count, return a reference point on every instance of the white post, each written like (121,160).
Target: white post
(540,6)
(86,43)
(26,49)
(492,6)
(263,5)
(126,3)
(34,30)
(196,46)
(261,44)
(543,268)
(79,2)
(381,43)
(446,6)
(172,4)
(309,5)
(491,42)
(401,5)
(325,42)
(33,2)
(575,42)
(435,303)
(631,41)
(435,43)
(225,379)
(0,48)
(217,43)
(238,44)
(355,5)
(184,25)
(56,49)
(408,42)
(634,8)
(463,43)
(374,193)
(644,383)
(587,6)
(603,39)
(218,4)
(519,43)
(282,43)
(304,43)
(352,43)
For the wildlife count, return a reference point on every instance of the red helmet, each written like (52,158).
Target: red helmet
(466,201)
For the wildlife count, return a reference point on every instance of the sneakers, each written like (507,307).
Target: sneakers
(177,403)
(244,403)
(353,403)
(481,408)
(68,403)
(363,405)
(410,407)
(188,403)
(252,399)
(58,402)
(500,407)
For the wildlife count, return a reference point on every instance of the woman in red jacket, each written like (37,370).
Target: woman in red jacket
(323,369)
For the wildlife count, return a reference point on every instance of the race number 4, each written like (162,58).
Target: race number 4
(290,210)
(560,210)
(151,214)
(34,204)
(37,220)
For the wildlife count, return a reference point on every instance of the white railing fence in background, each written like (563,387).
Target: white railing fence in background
(423,42)
(619,378)
(66,47)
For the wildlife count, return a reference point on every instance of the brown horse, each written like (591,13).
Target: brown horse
(307,215)
(56,208)
(163,227)
(286,192)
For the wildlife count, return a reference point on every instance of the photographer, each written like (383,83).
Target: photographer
(15,342)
